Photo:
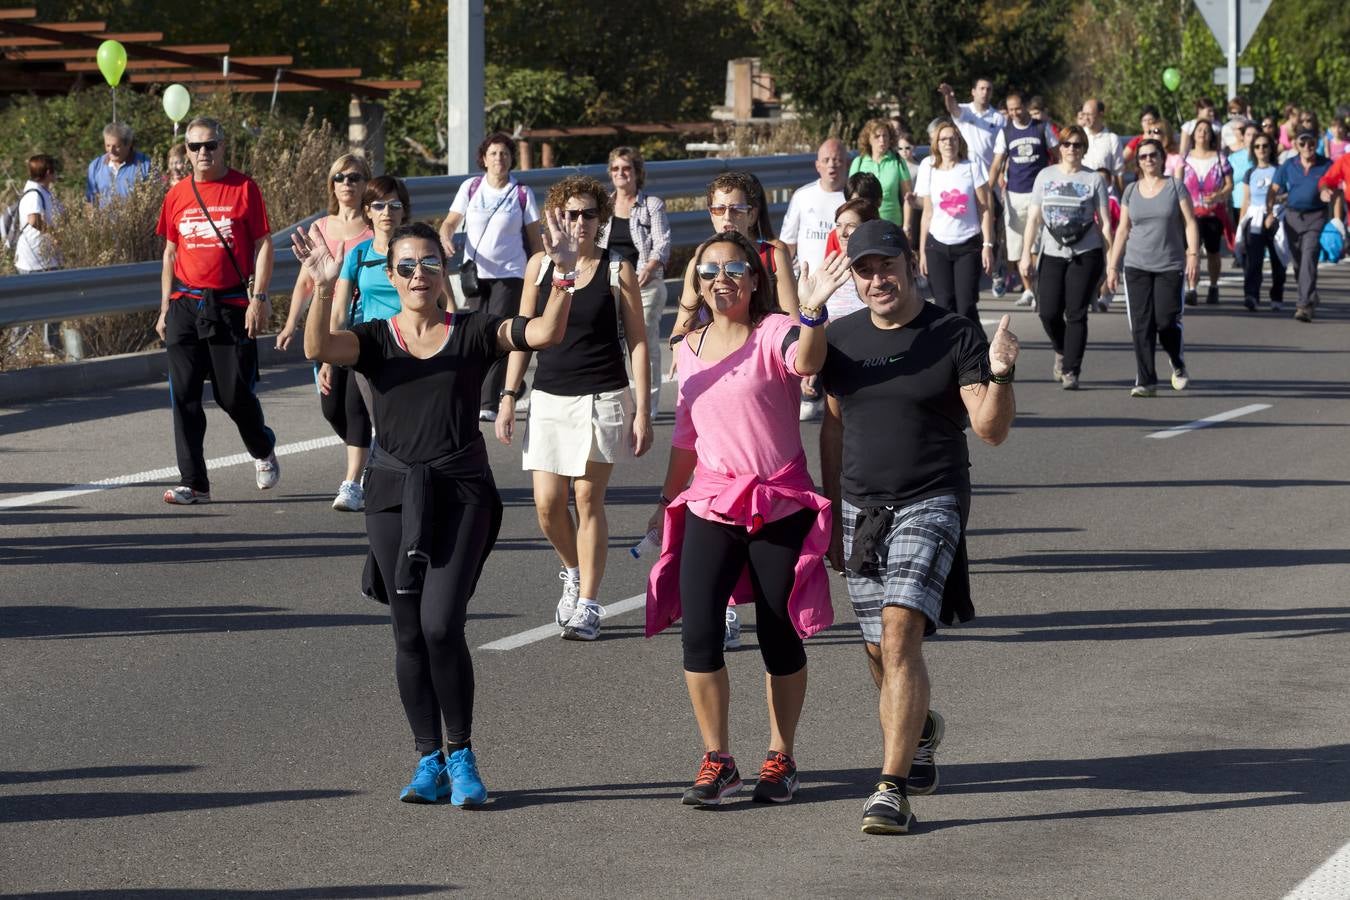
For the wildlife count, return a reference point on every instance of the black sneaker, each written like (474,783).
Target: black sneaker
(777,779)
(1250,303)
(886,812)
(717,778)
(923,771)
(1213,295)
(1192,298)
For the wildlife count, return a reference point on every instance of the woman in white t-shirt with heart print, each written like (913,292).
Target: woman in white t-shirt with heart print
(956,233)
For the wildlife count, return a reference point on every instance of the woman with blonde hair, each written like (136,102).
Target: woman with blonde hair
(583,416)
(640,232)
(877,156)
(957,229)
(343,228)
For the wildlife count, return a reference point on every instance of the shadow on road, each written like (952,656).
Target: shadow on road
(50,807)
(90,772)
(1062,562)
(185,548)
(1151,624)
(338,892)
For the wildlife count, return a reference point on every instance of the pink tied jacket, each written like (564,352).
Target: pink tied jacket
(744,500)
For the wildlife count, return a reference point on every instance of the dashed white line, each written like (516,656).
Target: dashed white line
(1209,420)
(544,632)
(1331,880)
(221,462)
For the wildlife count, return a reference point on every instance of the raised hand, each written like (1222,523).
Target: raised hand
(814,288)
(560,242)
(1003,349)
(312,252)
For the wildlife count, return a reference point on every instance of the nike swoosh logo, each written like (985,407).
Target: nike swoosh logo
(895,358)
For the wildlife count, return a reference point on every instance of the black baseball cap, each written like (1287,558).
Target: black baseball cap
(1306,133)
(879,237)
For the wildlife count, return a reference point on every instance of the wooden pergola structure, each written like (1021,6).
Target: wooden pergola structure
(54,57)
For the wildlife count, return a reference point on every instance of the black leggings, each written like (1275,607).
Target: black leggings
(431,659)
(711,562)
(954,275)
(345,410)
(1064,288)
(1153,304)
(1259,245)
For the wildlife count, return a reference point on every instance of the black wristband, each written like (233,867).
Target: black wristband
(507,392)
(1003,379)
(518,333)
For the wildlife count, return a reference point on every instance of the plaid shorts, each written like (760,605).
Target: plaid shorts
(915,558)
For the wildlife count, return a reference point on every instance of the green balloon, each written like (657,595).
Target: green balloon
(177,101)
(1171,79)
(112,61)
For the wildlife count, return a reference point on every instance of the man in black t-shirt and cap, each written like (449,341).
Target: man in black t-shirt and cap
(903,377)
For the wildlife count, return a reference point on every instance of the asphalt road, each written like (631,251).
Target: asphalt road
(1152,703)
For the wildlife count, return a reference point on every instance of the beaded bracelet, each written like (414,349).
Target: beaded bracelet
(1003,379)
(811,321)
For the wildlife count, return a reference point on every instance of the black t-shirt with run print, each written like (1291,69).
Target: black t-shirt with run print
(899,391)
(425,408)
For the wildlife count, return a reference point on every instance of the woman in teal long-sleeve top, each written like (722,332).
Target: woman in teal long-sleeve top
(876,154)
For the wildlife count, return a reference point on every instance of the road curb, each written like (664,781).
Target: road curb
(94,376)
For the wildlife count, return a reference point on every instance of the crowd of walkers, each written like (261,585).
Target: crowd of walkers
(826,318)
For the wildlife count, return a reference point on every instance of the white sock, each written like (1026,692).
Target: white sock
(573,574)
(584,600)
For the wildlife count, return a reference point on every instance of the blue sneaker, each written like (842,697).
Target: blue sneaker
(430,783)
(467,787)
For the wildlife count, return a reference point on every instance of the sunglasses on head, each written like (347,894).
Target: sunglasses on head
(722,209)
(408,266)
(734,269)
(198,146)
(382,205)
(573,215)
(348,177)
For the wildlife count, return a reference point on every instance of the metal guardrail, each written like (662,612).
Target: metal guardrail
(76,293)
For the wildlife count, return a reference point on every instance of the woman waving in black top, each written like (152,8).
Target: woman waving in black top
(432,508)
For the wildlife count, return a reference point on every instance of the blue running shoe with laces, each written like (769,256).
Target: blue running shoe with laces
(430,783)
(466,787)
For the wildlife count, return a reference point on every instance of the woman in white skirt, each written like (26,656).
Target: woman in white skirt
(583,416)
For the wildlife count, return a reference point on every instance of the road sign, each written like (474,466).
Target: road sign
(1233,23)
(1246,75)
(1249,13)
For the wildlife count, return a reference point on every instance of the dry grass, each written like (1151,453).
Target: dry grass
(289,166)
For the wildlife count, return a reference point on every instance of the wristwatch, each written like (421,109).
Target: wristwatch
(261,297)
(507,392)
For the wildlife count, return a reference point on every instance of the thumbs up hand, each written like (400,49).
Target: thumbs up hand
(1003,349)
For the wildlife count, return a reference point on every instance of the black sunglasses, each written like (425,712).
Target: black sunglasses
(734,269)
(1076,145)
(408,266)
(348,177)
(573,215)
(198,146)
(1144,156)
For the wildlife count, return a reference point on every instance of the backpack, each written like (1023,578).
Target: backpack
(10,226)
(478,182)
(614,287)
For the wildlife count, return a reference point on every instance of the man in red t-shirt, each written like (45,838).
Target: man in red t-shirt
(213,304)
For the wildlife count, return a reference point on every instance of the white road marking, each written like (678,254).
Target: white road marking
(544,632)
(1209,420)
(1331,880)
(79,490)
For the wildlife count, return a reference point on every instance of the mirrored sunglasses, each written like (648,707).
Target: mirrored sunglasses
(734,269)
(408,266)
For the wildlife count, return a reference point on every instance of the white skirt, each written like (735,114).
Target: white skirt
(563,434)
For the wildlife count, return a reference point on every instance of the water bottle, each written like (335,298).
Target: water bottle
(649,544)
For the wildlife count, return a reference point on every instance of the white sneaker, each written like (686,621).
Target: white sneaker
(1057,371)
(1028,298)
(1104,302)
(487,415)
(585,622)
(351,497)
(567,604)
(185,496)
(731,638)
(268,472)
(1180,379)
(810,409)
